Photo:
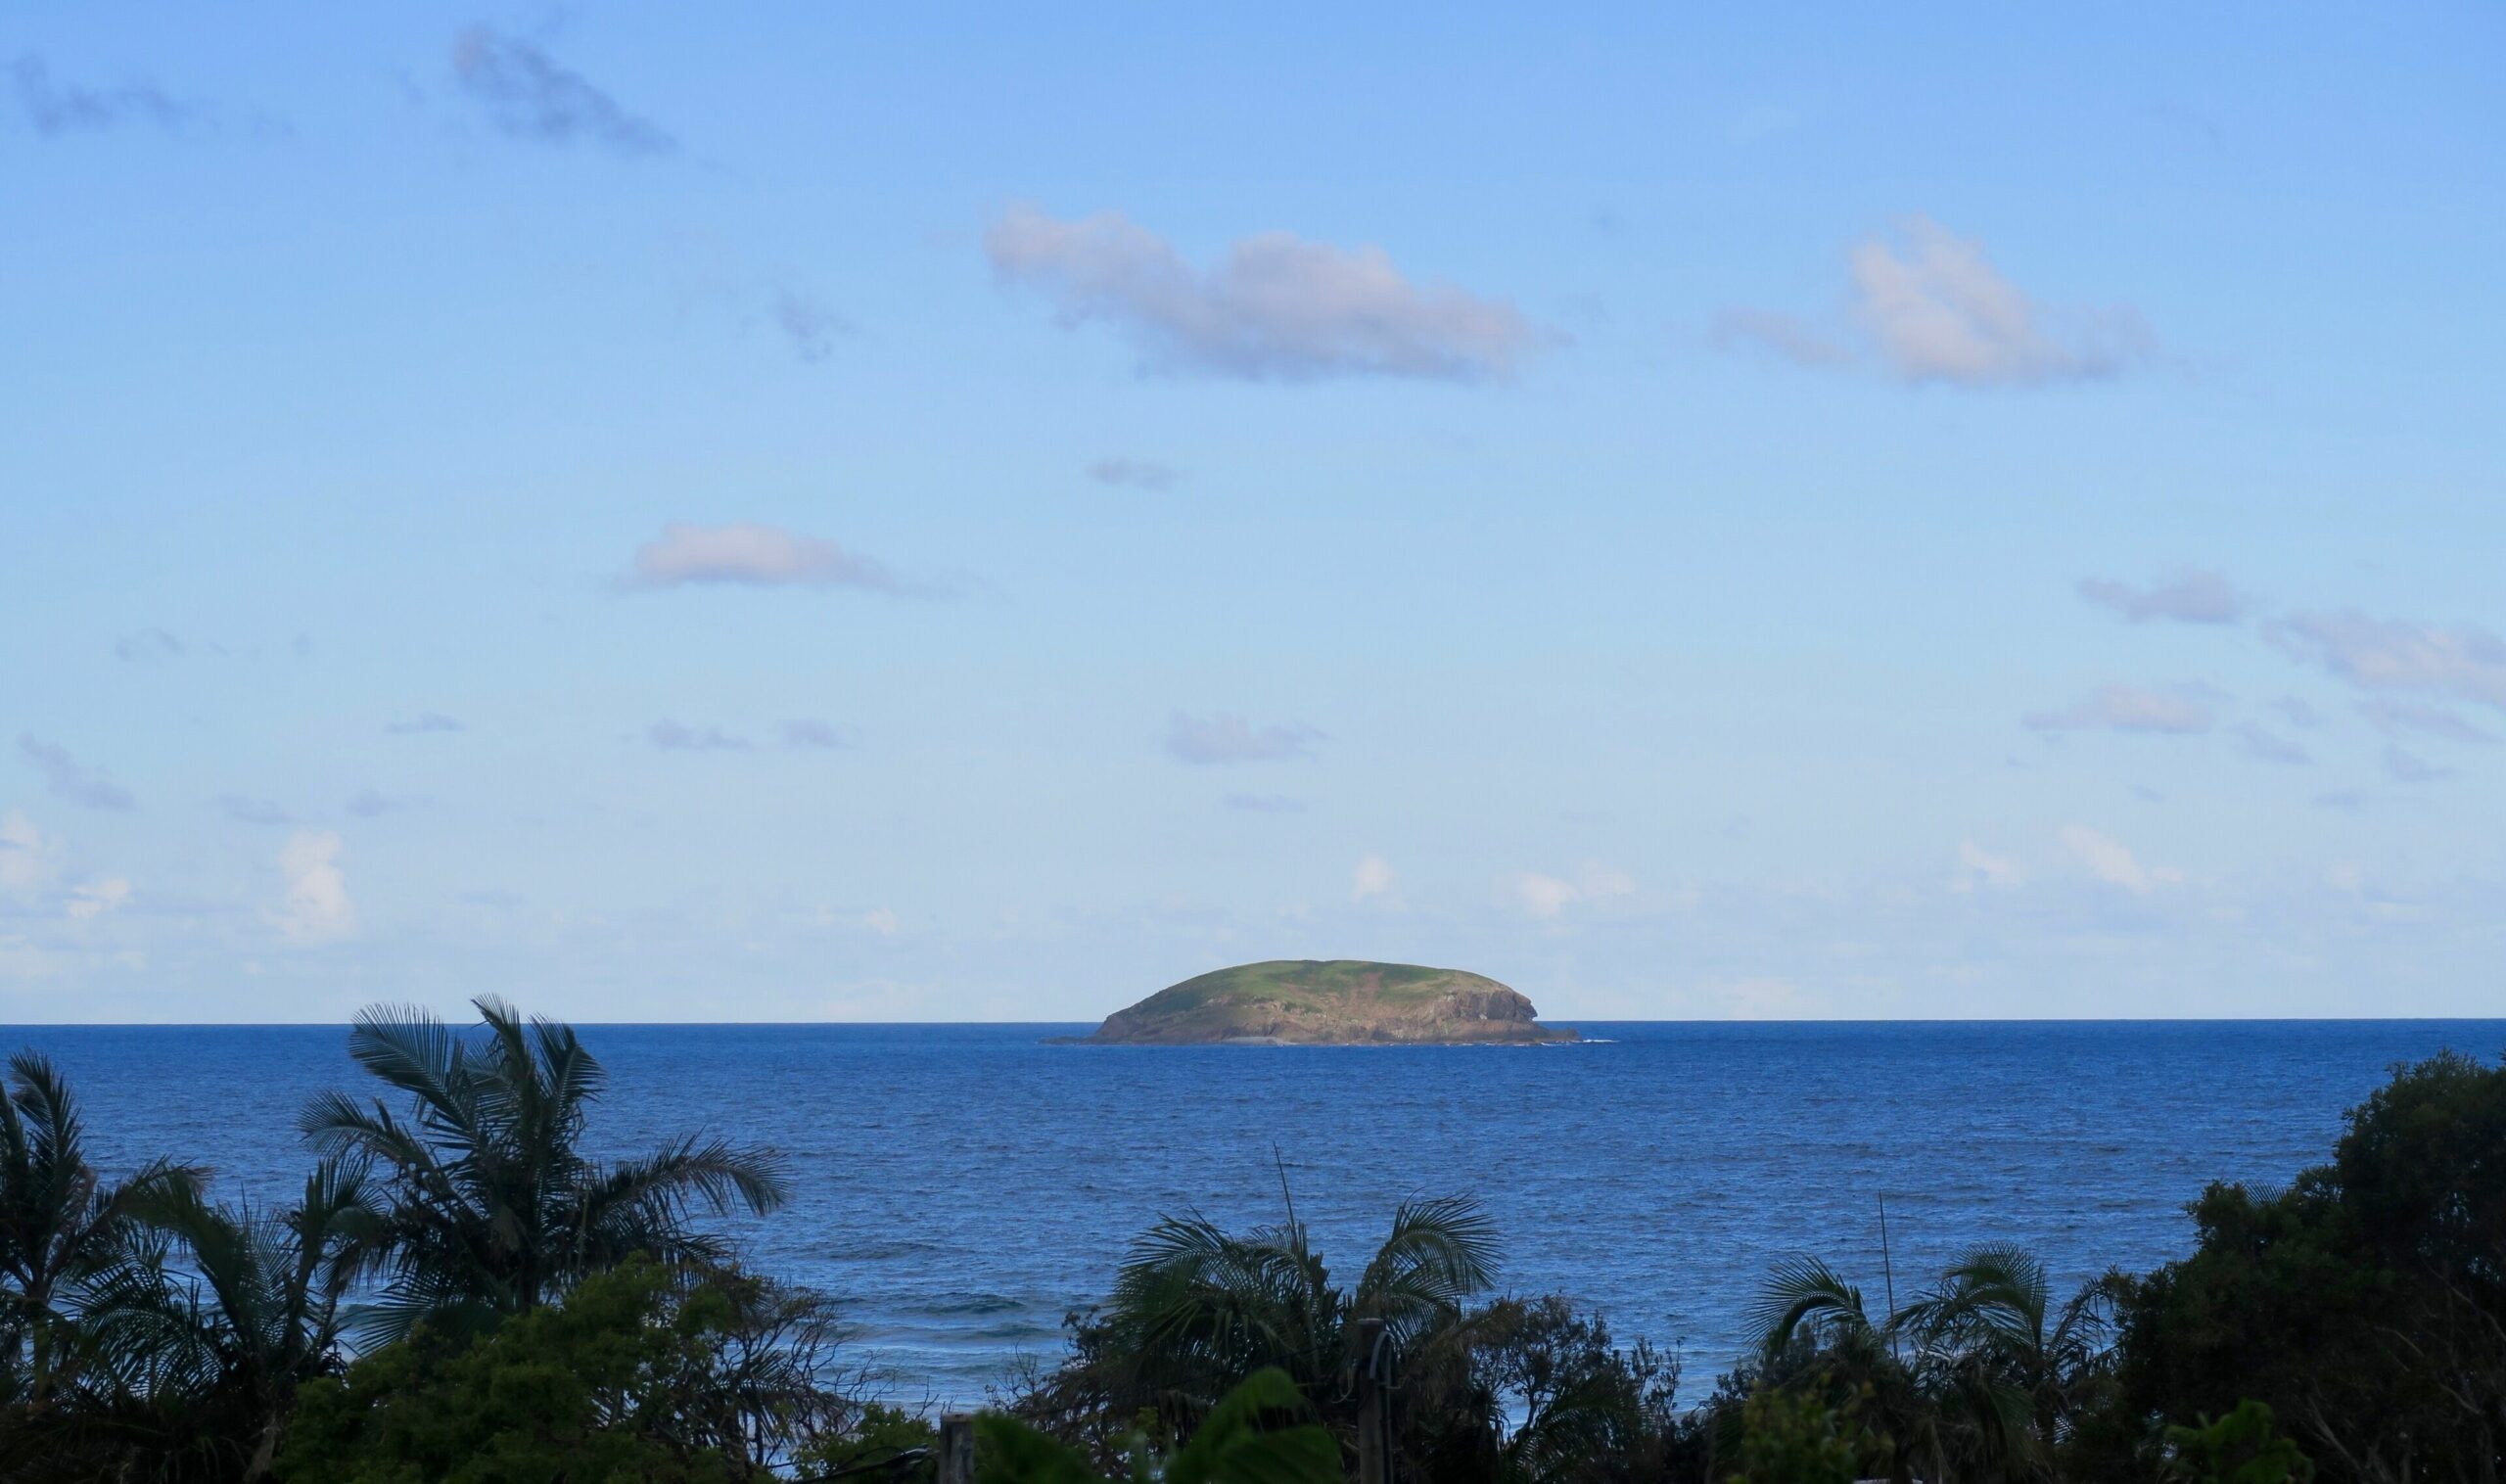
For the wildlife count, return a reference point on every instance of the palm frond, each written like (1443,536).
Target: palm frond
(1803,1290)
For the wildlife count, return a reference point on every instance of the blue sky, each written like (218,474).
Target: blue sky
(789,513)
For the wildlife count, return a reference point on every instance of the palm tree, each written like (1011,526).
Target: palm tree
(1993,1340)
(1197,1310)
(1980,1367)
(212,1339)
(1236,1444)
(488,1206)
(61,1227)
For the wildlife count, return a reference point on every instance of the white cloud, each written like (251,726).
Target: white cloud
(26,855)
(1544,896)
(1928,306)
(97,897)
(1371,878)
(2466,663)
(1274,305)
(881,920)
(2186,595)
(1226,738)
(2129,707)
(2110,860)
(1980,867)
(756,556)
(316,906)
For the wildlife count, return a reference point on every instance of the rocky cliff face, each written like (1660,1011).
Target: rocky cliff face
(1331,1002)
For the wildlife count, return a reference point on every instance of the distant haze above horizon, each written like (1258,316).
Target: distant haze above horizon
(670,516)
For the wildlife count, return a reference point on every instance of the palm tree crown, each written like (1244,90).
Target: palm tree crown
(490,1205)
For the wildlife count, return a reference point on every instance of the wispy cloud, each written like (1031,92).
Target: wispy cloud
(1274,307)
(27,855)
(1136,474)
(1544,896)
(1226,738)
(2110,860)
(810,327)
(2393,716)
(244,809)
(373,803)
(54,108)
(94,898)
(2128,708)
(422,725)
(1926,305)
(1372,878)
(2186,595)
(315,904)
(67,779)
(527,95)
(811,732)
(1981,868)
(753,556)
(679,737)
(2465,663)
(2264,745)
(2404,766)
(148,645)
(1265,804)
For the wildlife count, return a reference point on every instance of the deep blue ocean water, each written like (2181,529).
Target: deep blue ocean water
(961,1187)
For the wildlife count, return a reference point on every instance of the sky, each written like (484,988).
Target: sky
(910,513)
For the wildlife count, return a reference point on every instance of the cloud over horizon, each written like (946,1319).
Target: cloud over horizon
(1274,307)
(1926,305)
(314,907)
(1549,897)
(2110,860)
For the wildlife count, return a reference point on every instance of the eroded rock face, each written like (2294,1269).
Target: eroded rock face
(1331,1002)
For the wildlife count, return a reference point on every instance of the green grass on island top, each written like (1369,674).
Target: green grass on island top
(1313,984)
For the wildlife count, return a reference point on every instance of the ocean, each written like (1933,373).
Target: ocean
(961,1187)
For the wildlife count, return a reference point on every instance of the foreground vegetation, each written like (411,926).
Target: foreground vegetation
(459,1294)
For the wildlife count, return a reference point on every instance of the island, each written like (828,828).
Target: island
(1336,1002)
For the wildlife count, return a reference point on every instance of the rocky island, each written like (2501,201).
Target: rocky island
(1339,1002)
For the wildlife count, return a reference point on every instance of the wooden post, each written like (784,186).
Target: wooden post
(1371,1461)
(956,1448)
